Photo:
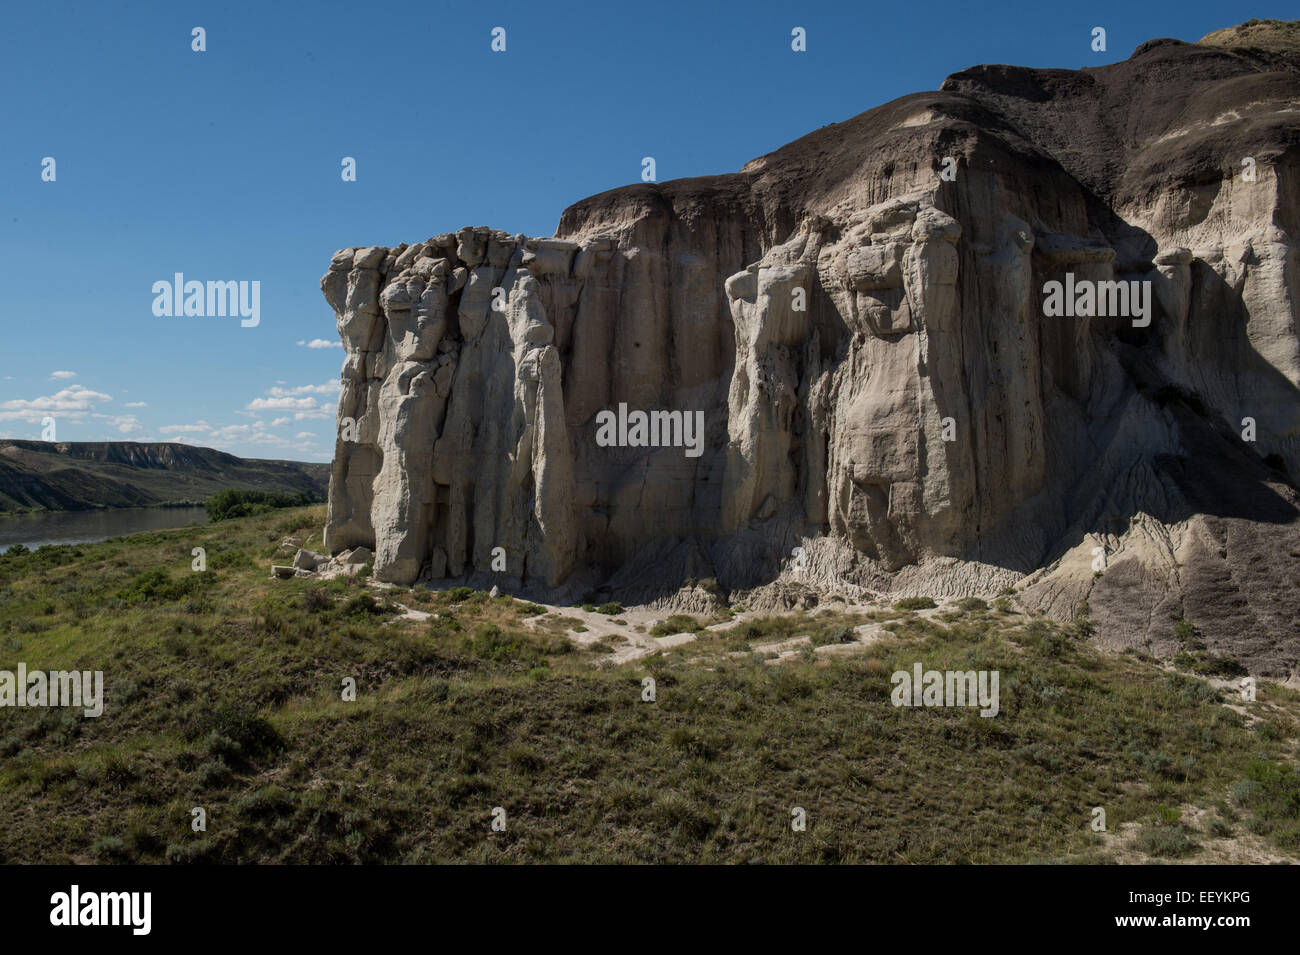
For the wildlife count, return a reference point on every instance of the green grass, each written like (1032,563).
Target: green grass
(1271,790)
(223,691)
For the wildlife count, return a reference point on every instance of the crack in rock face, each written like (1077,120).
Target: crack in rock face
(879,382)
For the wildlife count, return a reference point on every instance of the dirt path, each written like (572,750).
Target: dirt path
(629,631)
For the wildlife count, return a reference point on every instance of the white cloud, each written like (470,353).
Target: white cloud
(125,424)
(63,374)
(329,388)
(321,343)
(136,404)
(293,403)
(230,437)
(298,400)
(73,401)
(228,432)
(282,404)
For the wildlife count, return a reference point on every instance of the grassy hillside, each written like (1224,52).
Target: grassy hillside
(223,692)
(1261,34)
(73,476)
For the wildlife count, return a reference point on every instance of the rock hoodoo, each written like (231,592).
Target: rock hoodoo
(862,325)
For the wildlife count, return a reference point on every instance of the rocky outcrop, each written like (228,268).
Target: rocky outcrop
(862,322)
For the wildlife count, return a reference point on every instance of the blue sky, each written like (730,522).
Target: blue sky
(225,164)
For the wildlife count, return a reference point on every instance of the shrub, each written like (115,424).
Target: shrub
(969,604)
(434,691)
(523,759)
(611,609)
(118,772)
(235,735)
(444,625)
(191,851)
(157,586)
(490,642)
(1271,789)
(1168,814)
(231,559)
(261,803)
(915,603)
(677,623)
(140,840)
(683,816)
(214,774)
(363,605)
(231,503)
(1213,664)
(1268,731)
(836,635)
(1039,635)
(1220,829)
(109,849)
(316,600)
(1081,627)
(1191,690)
(1165,841)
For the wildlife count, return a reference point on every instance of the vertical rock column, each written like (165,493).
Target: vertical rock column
(761,472)
(351,286)
(412,401)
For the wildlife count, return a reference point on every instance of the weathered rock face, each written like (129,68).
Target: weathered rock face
(867,342)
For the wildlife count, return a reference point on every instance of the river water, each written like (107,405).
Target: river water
(80,527)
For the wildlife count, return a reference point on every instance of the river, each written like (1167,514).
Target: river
(80,527)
